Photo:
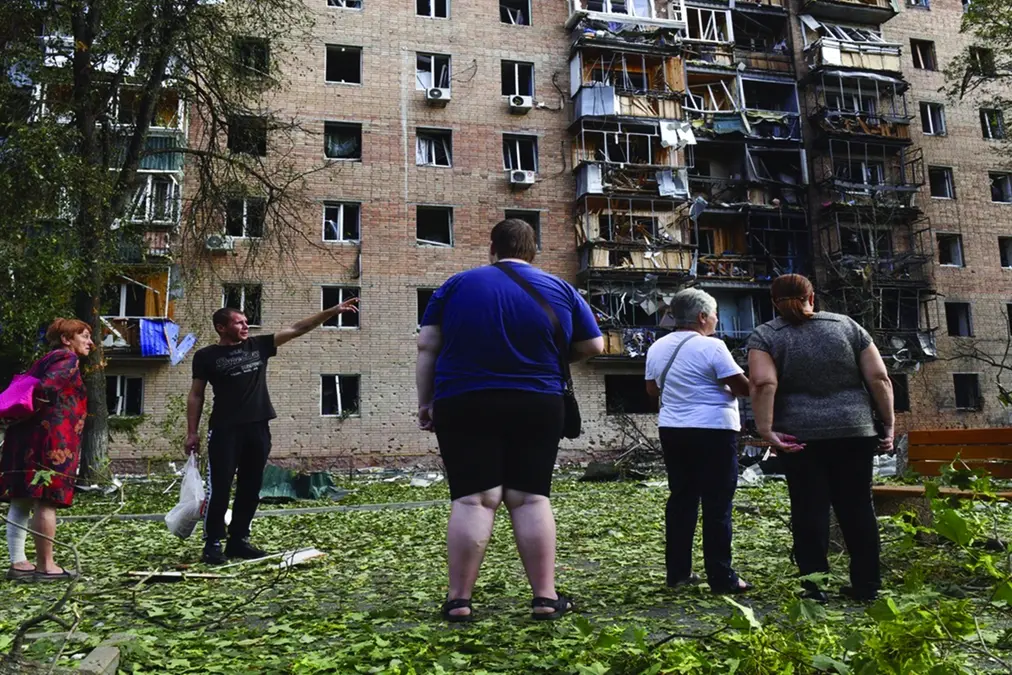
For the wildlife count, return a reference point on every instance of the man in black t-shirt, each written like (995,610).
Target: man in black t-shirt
(239,436)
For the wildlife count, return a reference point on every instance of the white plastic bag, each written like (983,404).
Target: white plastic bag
(184,516)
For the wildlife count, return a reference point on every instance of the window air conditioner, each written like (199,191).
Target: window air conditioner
(522,179)
(520,105)
(437,96)
(219,242)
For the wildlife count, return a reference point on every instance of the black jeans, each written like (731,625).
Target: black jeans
(241,450)
(834,473)
(702,467)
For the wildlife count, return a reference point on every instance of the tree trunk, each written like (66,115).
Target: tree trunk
(95,438)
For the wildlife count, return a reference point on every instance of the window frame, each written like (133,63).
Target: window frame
(958,239)
(928,119)
(431,135)
(245,217)
(353,5)
(1006,244)
(243,64)
(338,320)
(610,410)
(337,387)
(242,301)
(328,49)
(950,182)
(122,384)
(432,10)
(121,307)
(982,61)
(145,199)
(905,388)
(517,139)
(333,124)
(985,124)
(419,307)
(959,306)
(431,243)
(1006,190)
(239,124)
(445,79)
(979,402)
(504,64)
(328,204)
(511,22)
(917,47)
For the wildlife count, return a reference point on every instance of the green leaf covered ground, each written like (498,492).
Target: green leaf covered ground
(371,605)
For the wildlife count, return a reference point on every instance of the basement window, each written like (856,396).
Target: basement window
(520,153)
(342,141)
(992,124)
(433,147)
(967,386)
(932,118)
(342,221)
(424,295)
(950,250)
(901,392)
(335,295)
(957,319)
(1005,251)
(982,62)
(124,395)
(627,395)
(433,9)
(923,52)
(1001,187)
(432,70)
(344,65)
(248,136)
(434,226)
(532,218)
(245,217)
(245,298)
(940,179)
(515,12)
(339,395)
(517,78)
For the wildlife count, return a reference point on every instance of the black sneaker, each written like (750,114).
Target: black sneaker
(862,595)
(213,554)
(815,594)
(241,548)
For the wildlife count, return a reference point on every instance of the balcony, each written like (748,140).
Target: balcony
(830,52)
(652,13)
(619,260)
(864,174)
(856,11)
(887,128)
(624,345)
(137,338)
(601,178)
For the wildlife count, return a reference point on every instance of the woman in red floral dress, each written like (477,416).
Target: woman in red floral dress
(38,465)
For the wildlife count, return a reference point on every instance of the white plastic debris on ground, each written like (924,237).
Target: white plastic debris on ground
(426,479)
(752,475)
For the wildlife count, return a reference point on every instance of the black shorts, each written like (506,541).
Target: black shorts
(499,437)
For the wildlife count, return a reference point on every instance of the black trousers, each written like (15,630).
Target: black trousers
(702,467)
(835,473)
(240,450)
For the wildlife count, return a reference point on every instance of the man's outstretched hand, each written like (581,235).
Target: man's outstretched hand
(348,306)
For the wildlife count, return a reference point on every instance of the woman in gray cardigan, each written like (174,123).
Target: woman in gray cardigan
(815,378)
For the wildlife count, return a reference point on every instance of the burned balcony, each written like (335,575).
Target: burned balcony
(860,11)
(762,37)
(749,248)
(734,176)
(860,247)
(738,313)
(723,103)
(660,13)
(863,174)
(856,103)
(829,45)
(902,320)
(628,84)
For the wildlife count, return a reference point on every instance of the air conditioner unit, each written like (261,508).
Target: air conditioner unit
(522,179)
(219,242)
(519,105)
(437,96)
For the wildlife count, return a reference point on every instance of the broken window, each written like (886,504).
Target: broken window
(901,392)
(710,92)
(532,218)
(516,12)
(957,319)
(246,298)
(517,78)
(432,70)
(923,53)
(840,32)
(341,221)
(124,300)
(344,64)
(982,62)
(851,101)
(342,141)
(1001,187)
(424,295)
(252,56)
(244,217)
(155,200)
(164,115)
(124,395)
(641,8)
(433,9)
(627,395)
(709,25)
(335,295)
(866,242)
(992,124)
(625,227)
(345,4)
(932,118)
(1005,251)
(950,250)
(772,96)
(940,180)
(900,311)
(433,147)
(434,225)
(339,395)
(866,173)
(520,152)
(967,386)
(248,135)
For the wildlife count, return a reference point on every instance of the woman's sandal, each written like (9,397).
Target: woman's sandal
(62,575)
(459,603)
(14,574)
(560,606)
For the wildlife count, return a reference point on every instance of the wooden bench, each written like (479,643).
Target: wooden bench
(929,451)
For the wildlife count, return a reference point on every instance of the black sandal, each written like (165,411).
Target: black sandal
(741,586)
(560,605)
(459,603)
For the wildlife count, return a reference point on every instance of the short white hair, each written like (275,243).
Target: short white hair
(688,304)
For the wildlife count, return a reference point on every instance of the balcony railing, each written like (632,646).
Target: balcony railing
(604,178)
(827,52)
(638,12)
(887,127)
(605,100)
(616,259)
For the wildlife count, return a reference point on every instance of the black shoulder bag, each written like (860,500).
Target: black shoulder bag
(572,421)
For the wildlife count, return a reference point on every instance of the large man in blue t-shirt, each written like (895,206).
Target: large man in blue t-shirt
(490,384)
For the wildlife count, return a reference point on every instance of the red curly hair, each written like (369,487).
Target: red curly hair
(64,328)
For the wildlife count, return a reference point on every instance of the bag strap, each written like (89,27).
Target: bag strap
(671,361)
(559,334)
